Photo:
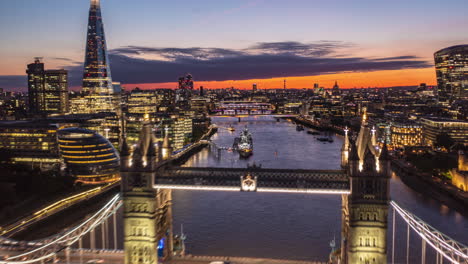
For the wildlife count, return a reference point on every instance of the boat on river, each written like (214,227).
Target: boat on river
(312,132)
(244,144)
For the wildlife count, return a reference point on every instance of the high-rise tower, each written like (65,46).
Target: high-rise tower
(97,80)
(451,66)
(48,89)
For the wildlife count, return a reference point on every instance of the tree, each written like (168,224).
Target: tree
(444,140)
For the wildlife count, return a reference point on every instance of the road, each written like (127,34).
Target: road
(116,257)
(53,208)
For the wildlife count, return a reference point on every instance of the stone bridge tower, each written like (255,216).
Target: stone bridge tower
(147,212)
(365,210)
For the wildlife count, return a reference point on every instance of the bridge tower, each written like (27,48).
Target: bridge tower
(365,210)
(166,150)
(345,149)
(147,212)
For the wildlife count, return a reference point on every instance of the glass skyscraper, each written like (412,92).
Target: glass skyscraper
(97,80)
(452,73)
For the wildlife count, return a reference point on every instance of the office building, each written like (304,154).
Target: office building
(181,132)
(30,143)
(142,102)
(88,156)
(452,73)
(406,135)
(47,89)
(456,129)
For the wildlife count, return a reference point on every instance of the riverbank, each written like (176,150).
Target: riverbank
(317,125)
(182,157)
(427,185)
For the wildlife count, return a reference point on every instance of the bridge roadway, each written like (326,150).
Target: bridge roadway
(253,179)
(77,256)
(25,222)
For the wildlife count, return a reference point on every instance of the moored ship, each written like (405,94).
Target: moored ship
(243,144)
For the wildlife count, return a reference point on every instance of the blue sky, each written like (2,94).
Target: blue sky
(373,29)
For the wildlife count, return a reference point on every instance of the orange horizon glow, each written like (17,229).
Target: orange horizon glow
(348,80)
(387,78)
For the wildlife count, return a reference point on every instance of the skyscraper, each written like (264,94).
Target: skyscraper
(36,84)
(452,73)
(97,80)
(56,95)
(47,89)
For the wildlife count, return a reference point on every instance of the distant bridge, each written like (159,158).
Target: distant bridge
(252,114)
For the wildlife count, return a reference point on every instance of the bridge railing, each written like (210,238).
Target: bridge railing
(46,249)
(446,247)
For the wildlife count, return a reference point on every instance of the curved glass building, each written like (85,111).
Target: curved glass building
(88,156)
(452,73)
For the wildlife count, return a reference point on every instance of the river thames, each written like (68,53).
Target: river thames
(290,226)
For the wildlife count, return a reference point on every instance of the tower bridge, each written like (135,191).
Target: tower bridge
(148,178)
(254,179)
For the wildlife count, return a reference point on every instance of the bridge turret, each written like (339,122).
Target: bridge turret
(353,159)
(370,162)
(366,208)
(125,155)
(151,155)
(345,150)
(166,149)
(138,158)
(384,161)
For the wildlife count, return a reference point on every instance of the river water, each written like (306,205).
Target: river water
(292,226)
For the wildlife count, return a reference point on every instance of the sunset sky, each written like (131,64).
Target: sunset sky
(359,43)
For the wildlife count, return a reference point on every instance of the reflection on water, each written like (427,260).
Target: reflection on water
(294,226)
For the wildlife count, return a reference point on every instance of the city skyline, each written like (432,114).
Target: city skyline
(334,43)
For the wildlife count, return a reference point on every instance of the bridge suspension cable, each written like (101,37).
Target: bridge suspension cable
(49,247)
(450,249)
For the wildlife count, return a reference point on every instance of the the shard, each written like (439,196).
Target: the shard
(97,80)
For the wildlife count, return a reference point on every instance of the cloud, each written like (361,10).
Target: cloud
(13,81)
(320,48)
(63,59)
(137,64)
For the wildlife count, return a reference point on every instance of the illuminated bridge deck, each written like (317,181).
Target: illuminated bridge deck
(254,179)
